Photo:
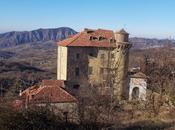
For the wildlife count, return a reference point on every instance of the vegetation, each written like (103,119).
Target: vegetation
(39,118)
(27,64)
(43,118)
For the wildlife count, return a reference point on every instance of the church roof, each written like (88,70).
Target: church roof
(90,38)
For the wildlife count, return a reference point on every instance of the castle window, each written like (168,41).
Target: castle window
(102,56)
(95,38)
(90,70)
(77,71)
(112,55)
(112,40)
(118,46)
(101,38)
(77,55)
(91,54)
(76,86)
(92,38)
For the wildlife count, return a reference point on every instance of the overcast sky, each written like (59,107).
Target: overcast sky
(145,18)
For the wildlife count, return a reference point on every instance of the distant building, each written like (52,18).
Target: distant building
(90,61)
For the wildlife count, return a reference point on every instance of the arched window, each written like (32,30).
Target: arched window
(135,93)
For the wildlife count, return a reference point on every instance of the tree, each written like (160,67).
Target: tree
(159,68)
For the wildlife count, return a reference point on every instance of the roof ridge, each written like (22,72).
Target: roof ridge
(105,29)
(82,39)
(139,74)
(59,89)
(75,38)
(68,93)
(30,89)
(39,89)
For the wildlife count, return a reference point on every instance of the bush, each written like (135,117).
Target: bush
(37,118)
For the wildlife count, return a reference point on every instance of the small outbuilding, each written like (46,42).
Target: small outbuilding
(50,93)
(137,86)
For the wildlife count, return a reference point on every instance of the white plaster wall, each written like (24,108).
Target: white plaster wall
(141,84)
(62,63)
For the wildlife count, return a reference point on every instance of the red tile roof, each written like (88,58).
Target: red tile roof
(29,91)
(83,39)
(52,94)
(49,91)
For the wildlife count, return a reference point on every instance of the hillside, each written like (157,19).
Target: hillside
(14,38)
(146,43)
(28,57)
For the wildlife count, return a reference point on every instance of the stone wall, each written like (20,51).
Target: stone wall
(92,63)
(99,69)
(121,89)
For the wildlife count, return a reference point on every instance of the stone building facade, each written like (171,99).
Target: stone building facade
(95,59)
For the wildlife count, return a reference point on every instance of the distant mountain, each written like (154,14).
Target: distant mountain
(11,39)
(14,38)
(146,43)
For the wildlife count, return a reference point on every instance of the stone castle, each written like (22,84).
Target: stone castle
(95,59)
(90,62)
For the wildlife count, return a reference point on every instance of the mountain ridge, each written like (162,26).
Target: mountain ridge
(146,43)
(14,38)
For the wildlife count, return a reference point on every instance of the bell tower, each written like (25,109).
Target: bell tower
(121,87)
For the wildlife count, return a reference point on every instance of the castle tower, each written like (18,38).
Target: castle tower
(121,87)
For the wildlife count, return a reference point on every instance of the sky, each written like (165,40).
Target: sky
(143,18)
